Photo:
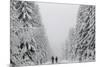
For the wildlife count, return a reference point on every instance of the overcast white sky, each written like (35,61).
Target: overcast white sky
(57,20)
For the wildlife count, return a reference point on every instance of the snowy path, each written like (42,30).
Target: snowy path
(57,20)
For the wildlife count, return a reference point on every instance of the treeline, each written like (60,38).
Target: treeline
(82,38)
(28,44)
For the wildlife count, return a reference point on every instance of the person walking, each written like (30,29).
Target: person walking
(52,58)
(56,59)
